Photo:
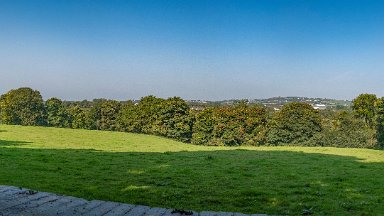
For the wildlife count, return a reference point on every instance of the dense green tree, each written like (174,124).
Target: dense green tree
(231,125)
(128,118)
(203,127)
(157,116)
(94,113)
(364,107)
(239,125)
(380,122)
(80,117)
(345,131)
(82,104)
(147,111)
(22,106)
(57,115)
(354,132)
(294,124)
(104,114)
(109,114)
(173,119)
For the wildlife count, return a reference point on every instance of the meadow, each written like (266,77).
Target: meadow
(155,171)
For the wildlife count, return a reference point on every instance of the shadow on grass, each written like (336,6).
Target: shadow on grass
(4,143)
(248,181)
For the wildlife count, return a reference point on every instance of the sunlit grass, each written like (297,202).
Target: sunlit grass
(155,171)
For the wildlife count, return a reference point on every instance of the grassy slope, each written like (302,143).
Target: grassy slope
(155,171)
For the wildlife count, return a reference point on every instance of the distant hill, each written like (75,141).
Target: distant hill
(278,102)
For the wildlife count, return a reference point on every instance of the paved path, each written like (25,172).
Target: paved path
(21,201)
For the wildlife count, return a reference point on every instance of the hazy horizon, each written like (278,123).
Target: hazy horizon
(188,99)
(207,50)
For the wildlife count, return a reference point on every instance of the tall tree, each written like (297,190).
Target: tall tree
(22,106)
(349,131)
(80,117)
(294,124)
(128,118)
(104,114)
(147,113)
(380,122)
(364,107)
(173,119)
(109,113)
(203,127)
(240,124)
(57,115)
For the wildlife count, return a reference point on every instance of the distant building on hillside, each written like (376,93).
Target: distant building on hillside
(319,106)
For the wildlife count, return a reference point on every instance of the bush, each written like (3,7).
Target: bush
(173,120)
(57,115)
(295,124)
(80,117)
(203,127)
(346,131)
(380,122)
(230,126)
(104,114)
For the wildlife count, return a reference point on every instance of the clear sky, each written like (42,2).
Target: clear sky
(211,49)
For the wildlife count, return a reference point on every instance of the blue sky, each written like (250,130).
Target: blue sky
(212,49)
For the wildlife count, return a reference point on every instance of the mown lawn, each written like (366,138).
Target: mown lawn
(155,171)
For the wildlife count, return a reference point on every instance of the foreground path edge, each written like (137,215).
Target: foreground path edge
(21,201)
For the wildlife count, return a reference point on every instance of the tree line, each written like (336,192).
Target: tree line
(233,125)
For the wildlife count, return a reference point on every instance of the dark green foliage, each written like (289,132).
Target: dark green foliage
(203,127)
(234,125)
(141,117)
(57,114)
(95,113)
(22,106)
(146,114)
(128,118)
(169,118)
(173,119)
(80,117)
(380,122)
(295,124)
(239,125)
(364,107)
(104,114)
(345,131)
(230,126)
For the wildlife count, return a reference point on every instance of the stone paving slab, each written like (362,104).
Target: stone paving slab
(20,201)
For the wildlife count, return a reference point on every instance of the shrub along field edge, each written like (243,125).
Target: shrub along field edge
(233,125)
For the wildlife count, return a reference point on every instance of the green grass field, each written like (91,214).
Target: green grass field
(155,171)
